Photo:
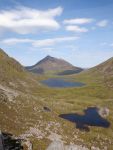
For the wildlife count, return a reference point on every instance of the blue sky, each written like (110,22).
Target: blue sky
(80,31)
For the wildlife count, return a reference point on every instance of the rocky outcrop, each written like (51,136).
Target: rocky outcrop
(28,145)
(3,97)
(9,142)
(7,94)
(56,145)
(59,145)
(103,112)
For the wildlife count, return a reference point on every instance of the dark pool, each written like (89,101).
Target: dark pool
(90,117)
(61,83)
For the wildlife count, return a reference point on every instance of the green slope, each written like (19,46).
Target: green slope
(22,99)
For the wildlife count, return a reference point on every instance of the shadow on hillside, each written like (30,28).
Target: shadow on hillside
(91,117)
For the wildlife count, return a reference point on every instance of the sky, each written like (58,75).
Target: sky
(79,31)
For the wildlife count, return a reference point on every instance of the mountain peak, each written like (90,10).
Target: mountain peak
(48,56)
(53,64)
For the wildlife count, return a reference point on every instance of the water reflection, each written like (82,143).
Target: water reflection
(90,117)
(61,83)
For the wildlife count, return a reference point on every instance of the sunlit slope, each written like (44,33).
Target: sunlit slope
(22,102)
(23,98)
(100,73)
(10,69)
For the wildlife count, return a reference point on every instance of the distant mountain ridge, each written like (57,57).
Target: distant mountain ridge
(49,64)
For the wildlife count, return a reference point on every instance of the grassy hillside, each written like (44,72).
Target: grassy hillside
(10,69)
(23,98)
(103,73)
(22,102)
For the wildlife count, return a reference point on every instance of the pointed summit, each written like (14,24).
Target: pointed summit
(48,56)
(51,64)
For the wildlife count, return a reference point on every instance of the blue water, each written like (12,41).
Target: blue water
(61,83)
(90,117)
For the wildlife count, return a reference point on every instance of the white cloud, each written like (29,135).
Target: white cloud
(13,41)
(50,42)
(48,49)
(78,21)
(102,23)
(76,28)
(40,43)
(24,20)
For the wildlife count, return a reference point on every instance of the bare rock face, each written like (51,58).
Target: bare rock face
(94,148)
(3,97)
(8,142)
(75,147)
(103,112)
(58,145)
(7,94)
(29,145)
